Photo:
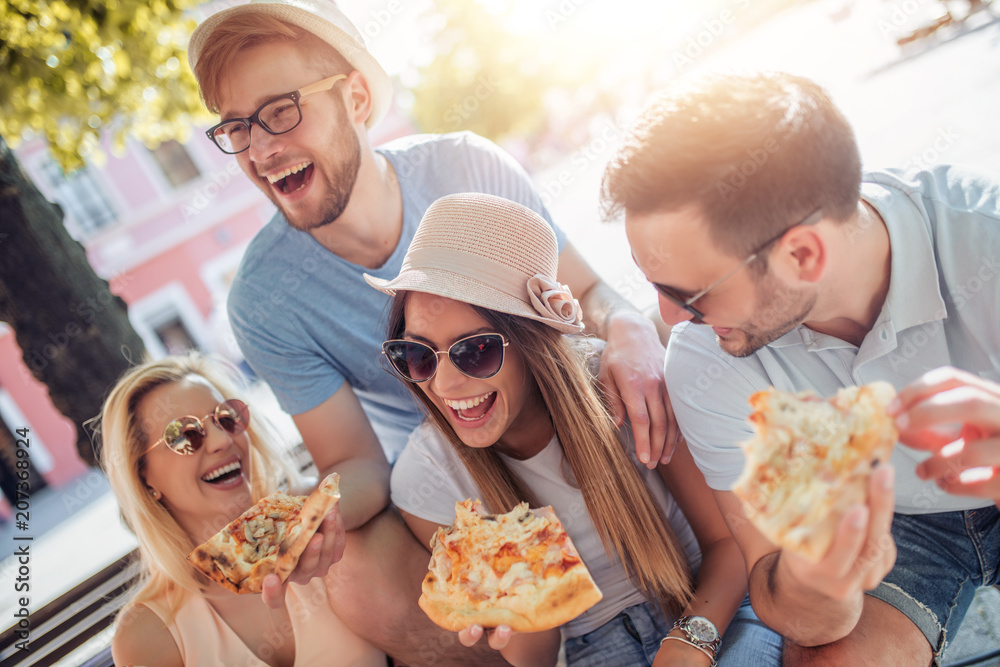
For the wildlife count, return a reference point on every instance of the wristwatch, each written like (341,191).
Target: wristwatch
(701,632)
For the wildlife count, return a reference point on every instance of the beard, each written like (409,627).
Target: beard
(342,178)
(780,310)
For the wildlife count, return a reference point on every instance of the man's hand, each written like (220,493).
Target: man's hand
(325,548)
(955,415)
(862,552)
(632,376)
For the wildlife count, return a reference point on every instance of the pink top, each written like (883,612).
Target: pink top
(204,638)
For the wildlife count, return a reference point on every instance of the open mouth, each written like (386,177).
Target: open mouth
(472,409)
(293,178)
(223,474)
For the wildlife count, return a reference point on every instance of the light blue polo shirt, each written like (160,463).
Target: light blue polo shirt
(942,308)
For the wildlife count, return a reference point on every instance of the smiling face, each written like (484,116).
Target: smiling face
(674,249)
(309,172)
(506,409)
(205,490)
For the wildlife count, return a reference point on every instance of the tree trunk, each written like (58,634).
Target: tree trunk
(73,333)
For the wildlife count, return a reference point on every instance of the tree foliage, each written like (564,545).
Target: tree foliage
(75,68)
(482,78)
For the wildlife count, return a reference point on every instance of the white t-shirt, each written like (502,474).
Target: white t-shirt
(429,478)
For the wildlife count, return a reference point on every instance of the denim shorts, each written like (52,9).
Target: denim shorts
(942,559)
(633,637)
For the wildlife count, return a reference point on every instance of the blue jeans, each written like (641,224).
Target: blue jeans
(633,637)
(942,559)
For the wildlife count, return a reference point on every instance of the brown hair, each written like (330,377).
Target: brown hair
(250,30)
(602,467)
(756,153)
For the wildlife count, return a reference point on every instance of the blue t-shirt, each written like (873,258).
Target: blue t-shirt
(942,309)
(305,319)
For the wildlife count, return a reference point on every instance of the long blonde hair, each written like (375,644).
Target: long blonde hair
(611,486)
(163,544)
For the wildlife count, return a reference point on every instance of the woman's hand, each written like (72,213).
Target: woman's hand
(522,649)
(674,653)
(498,637)
(324,549)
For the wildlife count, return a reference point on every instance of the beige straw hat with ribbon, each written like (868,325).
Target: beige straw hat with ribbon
(490,252)
(325,20)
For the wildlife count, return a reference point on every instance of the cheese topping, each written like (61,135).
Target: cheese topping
(493,556)
(810,458)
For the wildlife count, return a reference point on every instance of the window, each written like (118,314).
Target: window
(175,162)
(80,197)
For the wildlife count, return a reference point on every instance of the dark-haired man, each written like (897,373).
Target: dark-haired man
(780,263)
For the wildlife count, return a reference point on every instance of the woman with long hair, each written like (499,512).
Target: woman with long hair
(184,458)
(478,331)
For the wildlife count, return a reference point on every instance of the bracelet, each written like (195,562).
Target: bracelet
(690,643)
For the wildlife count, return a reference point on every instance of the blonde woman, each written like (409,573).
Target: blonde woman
(184,458)
(477,331)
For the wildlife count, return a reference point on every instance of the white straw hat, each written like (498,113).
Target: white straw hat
(325,20)
(490,252)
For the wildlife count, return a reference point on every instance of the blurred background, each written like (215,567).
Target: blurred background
(99,112)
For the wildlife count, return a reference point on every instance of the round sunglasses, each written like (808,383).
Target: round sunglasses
(186,435)
(479,356)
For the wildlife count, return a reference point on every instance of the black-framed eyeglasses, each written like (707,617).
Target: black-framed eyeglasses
(686,304)
(479,356)
(276,116)
(186,435)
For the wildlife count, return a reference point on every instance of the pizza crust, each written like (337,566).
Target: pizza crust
(284,526)
(534,603)
(810,461)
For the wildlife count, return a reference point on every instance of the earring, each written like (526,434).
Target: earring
(153,492)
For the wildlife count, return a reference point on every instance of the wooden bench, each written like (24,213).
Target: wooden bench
(64,625)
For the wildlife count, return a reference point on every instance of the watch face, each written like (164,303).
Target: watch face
(702,629)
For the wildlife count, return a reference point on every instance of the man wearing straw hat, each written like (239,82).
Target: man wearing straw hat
(297,91)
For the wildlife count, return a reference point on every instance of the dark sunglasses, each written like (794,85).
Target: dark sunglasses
(686,303)
(479,357)
(186,435)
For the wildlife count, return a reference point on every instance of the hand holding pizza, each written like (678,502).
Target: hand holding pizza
(325,549)
(862,551)
(955,415)
(265,545)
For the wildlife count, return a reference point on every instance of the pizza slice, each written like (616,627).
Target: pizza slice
(268,537)
(518,569)
(810,460)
